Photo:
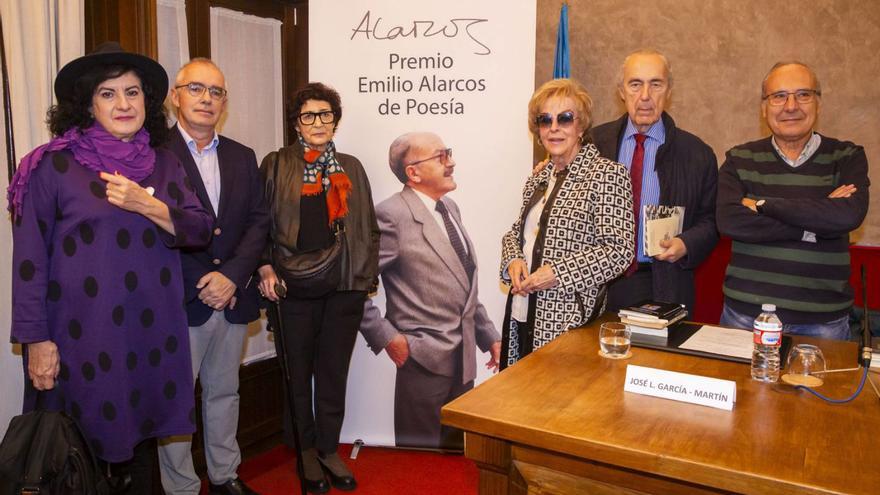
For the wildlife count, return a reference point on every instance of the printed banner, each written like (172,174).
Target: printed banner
(463,70)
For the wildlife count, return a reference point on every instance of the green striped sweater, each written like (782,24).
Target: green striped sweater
(771,261)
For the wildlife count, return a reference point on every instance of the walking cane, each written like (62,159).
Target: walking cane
(281,291)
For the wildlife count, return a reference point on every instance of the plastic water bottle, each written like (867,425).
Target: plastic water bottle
(768,339)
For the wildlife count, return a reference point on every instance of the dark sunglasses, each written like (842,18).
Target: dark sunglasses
(564,119)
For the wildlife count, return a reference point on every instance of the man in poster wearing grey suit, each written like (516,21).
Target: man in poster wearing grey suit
(433,320)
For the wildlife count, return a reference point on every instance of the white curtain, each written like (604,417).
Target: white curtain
(172,36)
(248,51)
(40,37)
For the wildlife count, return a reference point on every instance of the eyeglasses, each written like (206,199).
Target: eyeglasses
(308,118)
(564,119)
(196,90)
(444,157)
(802,96)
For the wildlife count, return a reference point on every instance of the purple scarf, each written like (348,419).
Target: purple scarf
(95,149)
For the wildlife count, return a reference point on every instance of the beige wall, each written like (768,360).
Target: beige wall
(720,51)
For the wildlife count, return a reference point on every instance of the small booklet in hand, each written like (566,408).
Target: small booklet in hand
(661,223)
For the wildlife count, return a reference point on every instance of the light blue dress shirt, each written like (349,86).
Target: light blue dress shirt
(656,136)
(208,165)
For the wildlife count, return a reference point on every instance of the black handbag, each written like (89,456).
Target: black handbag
(44,452)
(315,273)
(309,274)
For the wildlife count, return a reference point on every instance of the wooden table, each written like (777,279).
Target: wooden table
(559,422)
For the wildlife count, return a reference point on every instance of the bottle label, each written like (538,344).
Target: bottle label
(768,337)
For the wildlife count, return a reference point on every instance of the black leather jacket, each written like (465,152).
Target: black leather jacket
(360,269)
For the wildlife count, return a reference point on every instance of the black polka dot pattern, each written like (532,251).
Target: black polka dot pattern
(188,184)
(176,214)
(60,163)
(27,270)
(53,291)
(88,371)
(123,238)
(108,410)
(149,237)
(58,214)
(86,233)
(169,390)
(43,227)
(147,427)
(165,276)
(155,357)
(118,315)
(64,372)
(74,328)
(69,246)
(131,361)
(98,190)
(131,281)
(90,286)
(147,318)
(104,362)
(174,192)
(171,344)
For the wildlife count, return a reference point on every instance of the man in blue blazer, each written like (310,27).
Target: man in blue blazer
(221,298)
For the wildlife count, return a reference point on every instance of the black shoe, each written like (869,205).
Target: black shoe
(340,476)
(314,475)
(317,486)
(231,487)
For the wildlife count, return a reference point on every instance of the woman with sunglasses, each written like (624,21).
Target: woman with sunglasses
(574,232)
(314,193)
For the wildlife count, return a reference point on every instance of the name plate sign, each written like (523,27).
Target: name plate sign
(682,387)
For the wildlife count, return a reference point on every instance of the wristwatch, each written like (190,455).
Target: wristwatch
(759,205)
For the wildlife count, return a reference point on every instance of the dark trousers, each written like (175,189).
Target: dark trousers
(320,336)
(418,396)
(140,469)
(626,291)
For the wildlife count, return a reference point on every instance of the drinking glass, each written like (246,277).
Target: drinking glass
(804,362)
(614,340)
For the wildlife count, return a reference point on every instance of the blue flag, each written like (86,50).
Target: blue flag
(562,67)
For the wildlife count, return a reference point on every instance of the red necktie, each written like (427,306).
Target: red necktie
(635,178)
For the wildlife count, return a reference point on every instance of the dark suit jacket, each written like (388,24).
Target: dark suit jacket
(688,173)
(240,229)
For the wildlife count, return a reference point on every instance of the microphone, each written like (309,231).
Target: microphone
(865,348)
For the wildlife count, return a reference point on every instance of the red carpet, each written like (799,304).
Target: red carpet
(377,470)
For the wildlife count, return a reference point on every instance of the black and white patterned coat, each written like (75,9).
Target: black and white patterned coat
(588,241)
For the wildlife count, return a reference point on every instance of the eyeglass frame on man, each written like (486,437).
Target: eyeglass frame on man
(444,157)
(545,120)
(315,116)
(802,96)
(216,92)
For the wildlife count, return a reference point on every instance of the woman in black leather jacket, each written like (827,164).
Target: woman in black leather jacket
(314,192)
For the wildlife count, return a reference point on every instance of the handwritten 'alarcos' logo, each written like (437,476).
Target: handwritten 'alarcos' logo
(425,29)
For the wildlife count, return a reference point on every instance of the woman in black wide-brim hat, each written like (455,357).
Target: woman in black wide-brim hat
(97,213)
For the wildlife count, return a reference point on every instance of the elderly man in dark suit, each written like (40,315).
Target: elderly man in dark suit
(221,298)
(668,166)
(433,320)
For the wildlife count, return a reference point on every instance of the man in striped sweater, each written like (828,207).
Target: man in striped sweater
(789,202)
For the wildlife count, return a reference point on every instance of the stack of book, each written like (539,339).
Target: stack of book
(652,318)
